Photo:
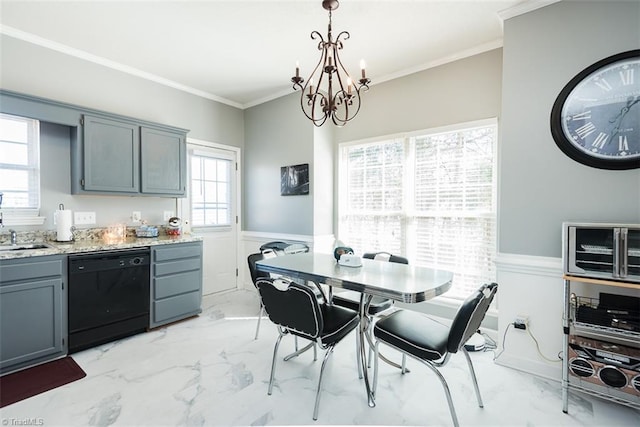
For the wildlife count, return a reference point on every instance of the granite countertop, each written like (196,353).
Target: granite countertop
(81,246)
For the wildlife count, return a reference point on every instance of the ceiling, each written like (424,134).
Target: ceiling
(243,53)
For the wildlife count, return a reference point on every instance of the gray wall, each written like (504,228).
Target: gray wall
(540,187)
(33,70)
(322,185)
(460,91)
(277,134)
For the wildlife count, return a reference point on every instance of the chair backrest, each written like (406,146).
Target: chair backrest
(292,306)
(385,256)
(470,315)
(275,246)
(255,273)
(296,248)
(284,248)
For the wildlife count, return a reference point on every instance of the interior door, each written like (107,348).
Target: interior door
(211,211)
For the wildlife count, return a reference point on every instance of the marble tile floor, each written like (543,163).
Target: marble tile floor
(210,371)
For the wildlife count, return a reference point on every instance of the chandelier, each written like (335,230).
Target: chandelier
(335,94)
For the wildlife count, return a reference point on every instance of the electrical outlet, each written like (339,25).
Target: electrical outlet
(80,218)
(167,215)
(521,322)
(136,216)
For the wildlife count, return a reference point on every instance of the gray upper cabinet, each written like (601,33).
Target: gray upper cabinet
(163,161)
(128,157)
(111,155)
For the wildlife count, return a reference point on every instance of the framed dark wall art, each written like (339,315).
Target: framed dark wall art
(294,180)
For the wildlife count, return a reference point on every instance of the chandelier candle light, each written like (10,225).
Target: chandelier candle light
(321,102)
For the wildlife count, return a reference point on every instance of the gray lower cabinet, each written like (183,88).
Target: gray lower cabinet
(33,311)
(176,283)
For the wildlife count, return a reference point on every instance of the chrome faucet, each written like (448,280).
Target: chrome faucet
(14,237)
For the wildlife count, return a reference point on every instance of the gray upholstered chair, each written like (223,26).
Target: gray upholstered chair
(296,309)
(431,342)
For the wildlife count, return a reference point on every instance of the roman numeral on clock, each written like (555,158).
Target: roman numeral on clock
(585,130)
(582,116)
(627,76)
(623,144)
(600,141)
(604,85)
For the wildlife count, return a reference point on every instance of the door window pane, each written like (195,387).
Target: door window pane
(210,190)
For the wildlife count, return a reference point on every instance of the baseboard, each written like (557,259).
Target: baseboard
(540,369)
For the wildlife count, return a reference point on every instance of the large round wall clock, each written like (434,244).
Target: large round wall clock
(596,118)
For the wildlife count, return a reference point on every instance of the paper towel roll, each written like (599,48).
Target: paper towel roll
(64,223)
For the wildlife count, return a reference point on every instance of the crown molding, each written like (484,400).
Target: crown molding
(81,54)
(524,7)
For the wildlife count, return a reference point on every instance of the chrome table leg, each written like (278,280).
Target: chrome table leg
(365,300)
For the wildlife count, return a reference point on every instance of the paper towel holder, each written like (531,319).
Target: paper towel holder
(65,230)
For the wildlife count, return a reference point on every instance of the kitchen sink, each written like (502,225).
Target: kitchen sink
(23,247)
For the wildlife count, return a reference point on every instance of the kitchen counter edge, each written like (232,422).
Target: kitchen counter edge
(83,246)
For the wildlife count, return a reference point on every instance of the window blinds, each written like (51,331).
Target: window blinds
(430,197)
(20,164)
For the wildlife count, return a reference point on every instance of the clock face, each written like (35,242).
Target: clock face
(596,118)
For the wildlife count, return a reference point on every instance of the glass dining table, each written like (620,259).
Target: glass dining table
(400,282)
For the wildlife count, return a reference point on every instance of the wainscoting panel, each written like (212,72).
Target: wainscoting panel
(530,286)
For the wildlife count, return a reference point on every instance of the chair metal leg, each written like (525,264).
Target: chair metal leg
(473,377)
(259,318)
(375,369)
(358,344)
(382,356)
(296,342)
(273,362)
(446,391)
(404,364)
(302,350)
(324,362)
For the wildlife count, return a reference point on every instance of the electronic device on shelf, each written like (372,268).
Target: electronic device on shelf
(611,317)
(602,250)
(601,335)
(612,368)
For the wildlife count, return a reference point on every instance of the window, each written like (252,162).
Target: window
(19,166)
(210,190)
(430,196)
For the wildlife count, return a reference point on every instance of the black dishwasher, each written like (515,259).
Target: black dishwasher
(108,296)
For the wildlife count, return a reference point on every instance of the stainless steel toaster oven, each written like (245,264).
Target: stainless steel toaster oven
(602,250)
